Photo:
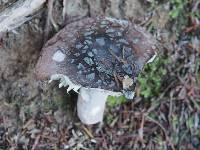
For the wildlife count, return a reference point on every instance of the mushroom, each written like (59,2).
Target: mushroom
(96,57)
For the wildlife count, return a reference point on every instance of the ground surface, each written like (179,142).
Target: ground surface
(165,113)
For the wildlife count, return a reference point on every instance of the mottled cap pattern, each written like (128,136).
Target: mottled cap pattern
(97,53)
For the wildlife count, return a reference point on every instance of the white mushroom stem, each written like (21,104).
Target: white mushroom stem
(18,13)
(91,101)
(91,104)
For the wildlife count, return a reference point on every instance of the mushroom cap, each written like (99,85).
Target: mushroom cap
(98,52)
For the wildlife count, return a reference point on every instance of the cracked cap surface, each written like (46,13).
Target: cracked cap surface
(97,53)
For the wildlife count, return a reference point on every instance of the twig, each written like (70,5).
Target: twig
(50,20)
(28,123)
(170,108)
(36,143)
(64,13)
(135,143)
(118,59)
(140,131)
(165,132)
(195,103)
(50,14)
(116,79)
(18,13)
(87,131)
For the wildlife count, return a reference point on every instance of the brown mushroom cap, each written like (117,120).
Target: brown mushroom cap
(97,53)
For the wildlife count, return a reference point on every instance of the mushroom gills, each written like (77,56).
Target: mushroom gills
(64,82)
